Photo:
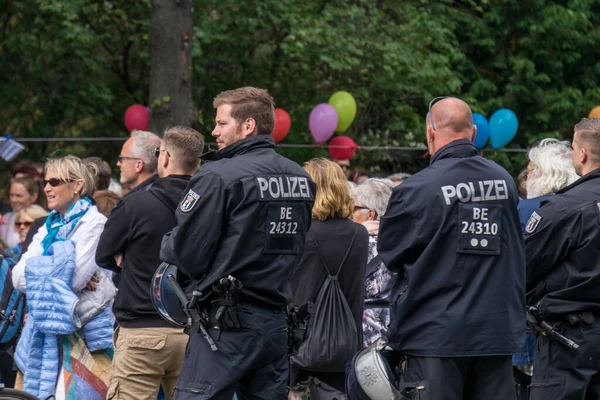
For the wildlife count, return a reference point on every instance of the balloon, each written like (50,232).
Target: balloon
(345,105)
(322,122)
(503,127)
(283,123)
(595,113)
(483,130)
(342,147)
(137,117)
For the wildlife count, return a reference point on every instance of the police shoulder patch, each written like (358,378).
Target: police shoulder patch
(189,201)
(533,222)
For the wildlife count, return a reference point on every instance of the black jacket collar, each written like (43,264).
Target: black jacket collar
(460,148)
(589,176)
(240,147)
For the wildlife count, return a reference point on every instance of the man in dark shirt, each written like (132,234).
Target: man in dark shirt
(562,241)
(244,217)
(148,349)
(452,234)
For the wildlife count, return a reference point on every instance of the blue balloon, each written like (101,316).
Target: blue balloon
(483,130)
(504,125)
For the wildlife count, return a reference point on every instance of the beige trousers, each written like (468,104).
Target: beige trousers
(144,359)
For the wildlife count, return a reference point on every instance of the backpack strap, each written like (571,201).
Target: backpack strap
(6,291)
(345,255)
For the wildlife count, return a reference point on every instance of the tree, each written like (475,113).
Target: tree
(171,38)
(72,67)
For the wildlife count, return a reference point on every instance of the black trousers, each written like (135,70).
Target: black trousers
(251,361)
(565,374)
(458,378)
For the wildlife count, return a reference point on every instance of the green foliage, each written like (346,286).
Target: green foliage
(71,67)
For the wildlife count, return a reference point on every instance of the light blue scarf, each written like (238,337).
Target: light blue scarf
(60,227)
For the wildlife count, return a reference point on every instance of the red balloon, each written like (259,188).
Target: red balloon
(283,124)
(342,147)
(137,117)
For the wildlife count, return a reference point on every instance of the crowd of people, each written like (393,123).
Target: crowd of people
(443,266)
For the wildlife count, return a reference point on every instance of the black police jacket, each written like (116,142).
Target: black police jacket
(452,233)
(245,215)
(562,241)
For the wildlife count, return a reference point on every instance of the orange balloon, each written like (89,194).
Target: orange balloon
(595,113)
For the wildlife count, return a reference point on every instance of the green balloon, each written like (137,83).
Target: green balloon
(345,105)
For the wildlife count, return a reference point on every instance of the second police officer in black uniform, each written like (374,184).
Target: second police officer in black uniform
(562,241)
(246,216)
(452,233)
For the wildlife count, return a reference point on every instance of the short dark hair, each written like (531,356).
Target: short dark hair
(185,145)
(102,178)
(588,132)
(250,102)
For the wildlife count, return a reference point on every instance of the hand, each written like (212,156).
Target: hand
(119,260)
(91,285)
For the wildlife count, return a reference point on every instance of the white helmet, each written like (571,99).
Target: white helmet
(374,374)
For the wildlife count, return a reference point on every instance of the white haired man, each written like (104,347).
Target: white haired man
(137,162)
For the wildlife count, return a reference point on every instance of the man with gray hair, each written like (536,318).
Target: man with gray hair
(137,162)
(148,349)
(370,202)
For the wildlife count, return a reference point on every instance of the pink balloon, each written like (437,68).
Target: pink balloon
(342,148)
(322,122)
(137,117)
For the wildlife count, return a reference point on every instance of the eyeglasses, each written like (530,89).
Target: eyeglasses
(26,224)
(121,158)
(431,104)
(157,152)
(356,208)
(54,182)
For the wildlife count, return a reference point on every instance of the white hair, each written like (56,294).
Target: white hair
(552,168)
(373,193)
(143,148)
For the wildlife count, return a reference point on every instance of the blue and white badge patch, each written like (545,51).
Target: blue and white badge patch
(533,222)
(189,201)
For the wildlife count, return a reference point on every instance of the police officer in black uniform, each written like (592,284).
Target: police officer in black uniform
(562,242)
(452,233)
(244,216)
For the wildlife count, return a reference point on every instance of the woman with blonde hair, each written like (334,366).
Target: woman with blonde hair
(332,237)
(68,295)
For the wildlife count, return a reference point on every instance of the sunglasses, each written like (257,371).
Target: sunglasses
(26,224)
(157,152)
(54,182)
(356,208)
(431,104)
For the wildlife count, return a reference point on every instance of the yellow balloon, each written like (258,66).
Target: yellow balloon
(595,113)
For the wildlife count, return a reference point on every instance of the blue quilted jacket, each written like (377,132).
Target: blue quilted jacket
(52,307)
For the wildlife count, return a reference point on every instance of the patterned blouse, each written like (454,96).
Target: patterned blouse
(376,316)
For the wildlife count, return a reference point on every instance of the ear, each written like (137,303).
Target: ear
(430,134)
(249,127)
(583,157)
(78,187)
(474,133)
(372,215)
(166,160)
(139,166)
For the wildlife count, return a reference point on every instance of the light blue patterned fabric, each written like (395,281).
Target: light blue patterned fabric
(51,313)
(59,227)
